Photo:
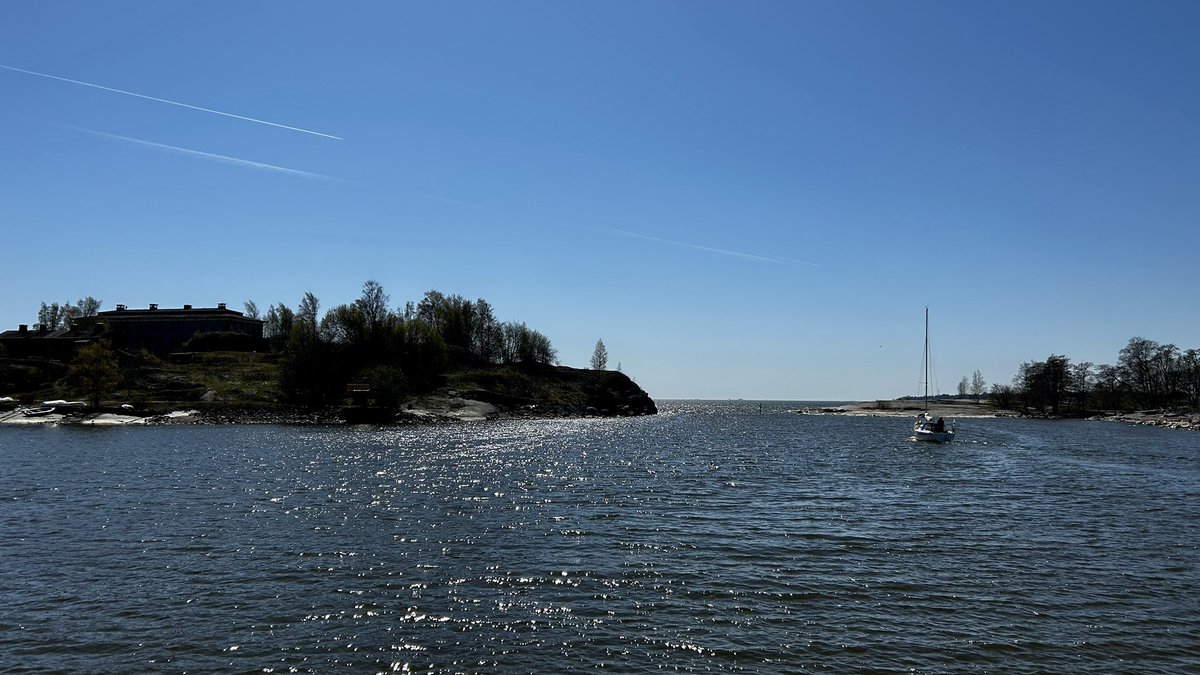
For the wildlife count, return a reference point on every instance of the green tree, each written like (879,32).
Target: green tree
(373,303)
(278,325)
(485,334)
(86,308)
(53,316)
(599,356)
(94,370)
(307,312)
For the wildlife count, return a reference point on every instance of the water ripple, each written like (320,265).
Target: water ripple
(713,537)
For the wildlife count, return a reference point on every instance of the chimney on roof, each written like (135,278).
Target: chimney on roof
(23,329)
(187,306)
(120,308)
(220,305)
(153,306)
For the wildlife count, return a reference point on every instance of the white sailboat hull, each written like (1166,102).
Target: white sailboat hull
(929,436)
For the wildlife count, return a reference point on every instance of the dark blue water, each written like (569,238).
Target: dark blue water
(713,537)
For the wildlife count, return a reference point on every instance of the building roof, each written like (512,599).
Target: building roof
(171,312)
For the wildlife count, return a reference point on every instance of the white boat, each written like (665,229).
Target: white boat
(60,403)
(37,412)
(930,431)
(926,428)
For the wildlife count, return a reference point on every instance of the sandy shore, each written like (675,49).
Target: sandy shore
(963,409)
(956,409)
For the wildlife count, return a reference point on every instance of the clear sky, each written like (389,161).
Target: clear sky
(742,199)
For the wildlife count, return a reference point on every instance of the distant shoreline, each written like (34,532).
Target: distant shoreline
(957,409)
(960,409)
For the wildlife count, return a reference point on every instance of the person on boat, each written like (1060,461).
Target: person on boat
(940,425)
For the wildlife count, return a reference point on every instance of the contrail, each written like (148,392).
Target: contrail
(212,156)
(710,249)
(163,100)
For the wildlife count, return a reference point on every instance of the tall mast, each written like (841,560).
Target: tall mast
(926,358)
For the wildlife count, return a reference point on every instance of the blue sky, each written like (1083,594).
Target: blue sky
(747,200)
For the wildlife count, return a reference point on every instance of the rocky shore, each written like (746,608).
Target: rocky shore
(1155,418)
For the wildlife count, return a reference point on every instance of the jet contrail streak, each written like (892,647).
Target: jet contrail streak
(710,249)
(211,156)
(163,100)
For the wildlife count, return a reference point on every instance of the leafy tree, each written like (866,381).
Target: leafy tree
(373,303)
(94,369)
(344,324)
(251,310)
(599,356)
(306,313)
(278,325)
(86,308)
(485,334)
(53,316)
(310,373)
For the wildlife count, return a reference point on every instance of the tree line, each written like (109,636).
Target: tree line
(1146,375)
(55,315)
(393,351)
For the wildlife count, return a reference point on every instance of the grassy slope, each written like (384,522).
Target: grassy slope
(251,381)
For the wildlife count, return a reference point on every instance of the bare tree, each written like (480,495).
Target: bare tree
(978,385)
(962,387)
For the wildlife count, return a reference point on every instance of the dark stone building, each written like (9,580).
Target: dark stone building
(159,330)
(60,345)
(165,330)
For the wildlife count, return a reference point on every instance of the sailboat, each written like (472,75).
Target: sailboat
(925,428)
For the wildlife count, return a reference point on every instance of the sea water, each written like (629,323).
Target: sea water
(732,536)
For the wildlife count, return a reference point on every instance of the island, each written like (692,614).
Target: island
(444,359)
